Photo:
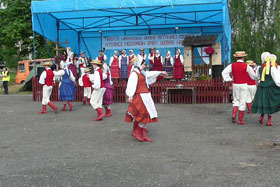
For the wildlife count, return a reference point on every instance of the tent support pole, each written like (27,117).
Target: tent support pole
(34,53)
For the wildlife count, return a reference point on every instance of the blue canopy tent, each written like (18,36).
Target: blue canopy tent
(85,22)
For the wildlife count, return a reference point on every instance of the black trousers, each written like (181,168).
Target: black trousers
(6,86)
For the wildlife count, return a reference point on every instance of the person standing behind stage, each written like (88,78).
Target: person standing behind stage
(123,64)
(70,62)
(47,79)
(6,80)
(102,57)
(239,71)
(158,63)
(99,90)
(168,64)
(179,65)
(151,58)
(130,64)
(252,88)
(108,95)
(66,87)
(114,65)
(142,55)
(82,63)
(85,82)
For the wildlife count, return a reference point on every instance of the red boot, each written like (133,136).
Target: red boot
(144,135)
(241,118)
(135,125)
(100,114)
(108,112)
(88,100)
(269,123)
(44,109)
(53,107)
(64,107)
(138,134)
(261,120)
(70,105)
(84,100)
(234,113)
(249,106)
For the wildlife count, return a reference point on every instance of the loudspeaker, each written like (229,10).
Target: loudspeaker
(40,70)
(217,70)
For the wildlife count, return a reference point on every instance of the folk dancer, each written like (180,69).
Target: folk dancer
(158,63)
(99,90)
(123,64)
(131,61)
(101,57)
(108,95)
(268,92)
(85,82)
(71,64)
(252,88)
(47,79)
(179,65)
(151,58)
(66,87)
(168,64)
(141,107)
(239,71)
(82,63)
(143,56)
(114,65)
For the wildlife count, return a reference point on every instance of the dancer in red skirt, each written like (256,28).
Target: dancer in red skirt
(115,66)
(179,65)
(141,107)
(130,65)
(85,81)
(108,95)
(158,64)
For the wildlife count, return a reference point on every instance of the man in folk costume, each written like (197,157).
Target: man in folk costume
(114,65)
(101,57)
(141,107)
(151,58)
(142,55)
(252,88)
(168,64)
(47,79)
(179,65)
(158,63)
(239,71)
(123,64)
(85,82)
(108,95)
(82,63)
(268,92)
(131,61)
(99,90)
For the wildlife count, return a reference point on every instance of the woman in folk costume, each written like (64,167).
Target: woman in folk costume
(67,86)
(123,64)
(179,65)
(82,63)
(101,57)
(268,92)
(99,90)
(151,58)
(47,79)
(114,65)
(131,58)
(85,82)
(238,73)
(71,64)
(168,64)
(108,95)
(252,88)
(143,56)
(158,63)
(141,107)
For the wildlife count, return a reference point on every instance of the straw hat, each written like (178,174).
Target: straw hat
(250,62)
(47,64)
(141,49)
(87,70)
(239,54)
(97,62)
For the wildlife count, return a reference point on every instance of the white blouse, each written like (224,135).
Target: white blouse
(112,59)
(60,73)
(120,60)
(171,60)
(181,58)
(275,74)
(96,79)
(151,78)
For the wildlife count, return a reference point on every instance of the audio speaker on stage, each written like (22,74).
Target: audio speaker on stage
(40,71)
(217,70)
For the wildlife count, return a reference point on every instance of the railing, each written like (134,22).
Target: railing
(204,91)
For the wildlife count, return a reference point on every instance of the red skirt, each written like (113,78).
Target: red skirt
(115,71)
(178,71)
(137,111)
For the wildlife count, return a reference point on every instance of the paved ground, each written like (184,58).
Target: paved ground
(195,145)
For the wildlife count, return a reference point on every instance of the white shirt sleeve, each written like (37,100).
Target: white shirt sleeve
(91,78)
(97,81)
(152,76)
(111,61)
(172,61)
(43,77)
(275,75)
(105,57)
(131,85)
(182,59)
(59,73)
(226,73)
(120,61)
(127,60)
(72,78)
(80,81)
(252,73)
(104,76)
(161,59)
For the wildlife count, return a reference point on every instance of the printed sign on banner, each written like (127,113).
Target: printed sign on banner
(145,41)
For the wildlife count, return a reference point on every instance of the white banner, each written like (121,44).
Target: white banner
(145,41)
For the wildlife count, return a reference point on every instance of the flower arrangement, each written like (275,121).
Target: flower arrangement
(209,50)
